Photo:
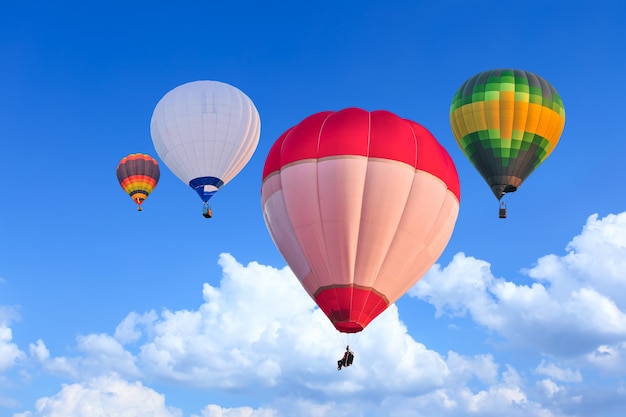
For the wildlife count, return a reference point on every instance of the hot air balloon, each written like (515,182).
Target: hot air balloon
(205,132)
(506,122)
(360,204)
(138,174)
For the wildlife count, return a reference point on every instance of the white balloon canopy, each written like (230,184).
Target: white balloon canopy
(205,132)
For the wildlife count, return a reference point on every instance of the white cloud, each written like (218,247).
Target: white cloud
(126,332)
(103,396)
(609,358)
(100,353)
(10,353)
(57,365)
(103,353)
(8,315)
(214,410)
(558,373)
(596,259)
(575,305)
(259,332)
(548,387)
(481,367)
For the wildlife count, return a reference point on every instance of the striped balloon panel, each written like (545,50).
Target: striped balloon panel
(506,122)
(138,174)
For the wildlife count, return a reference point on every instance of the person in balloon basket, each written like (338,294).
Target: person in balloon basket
(347,359)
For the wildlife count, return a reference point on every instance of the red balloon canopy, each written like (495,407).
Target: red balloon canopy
(360,204)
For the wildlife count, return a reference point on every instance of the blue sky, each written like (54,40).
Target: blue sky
(107,311)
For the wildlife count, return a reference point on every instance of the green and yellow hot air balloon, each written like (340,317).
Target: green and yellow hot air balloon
(507,122)
(138,174)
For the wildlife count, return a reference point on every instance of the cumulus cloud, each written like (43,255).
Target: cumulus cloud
(103,396)
(259,333)
(213,410)
(575,306)
(558,373)
(609,358)
(259,329)
(10,353)
(595,259)
(100,353)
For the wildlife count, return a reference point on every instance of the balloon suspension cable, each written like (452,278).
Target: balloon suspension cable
(347,339)
(355,338)
(338,338)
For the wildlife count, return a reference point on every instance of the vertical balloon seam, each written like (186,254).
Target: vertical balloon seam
(556,119)
(358,238)
(282,170)
(429,231)
(376,275)
(519,165)
(279,172)
(201,154)
(334,288)
(526,159)
(363,319)
(317,183)
(305,251)
(533,158)
(514,162)
(219,164)
(176,152)
(138,166)
(243,154)
(546,113)
(472,139)
(278,195)
(506,119)
(494,151)
(236,151)
(457,119)
(500,145)
(195,141)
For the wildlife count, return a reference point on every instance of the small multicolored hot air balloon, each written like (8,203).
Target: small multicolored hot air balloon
(138,174)
(360,204)
(205,132)
(507,122)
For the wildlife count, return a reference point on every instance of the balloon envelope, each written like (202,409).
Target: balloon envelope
(360,204)
(205,132)
(138,174)
(506,122)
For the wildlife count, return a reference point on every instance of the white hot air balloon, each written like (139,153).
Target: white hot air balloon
(205,132)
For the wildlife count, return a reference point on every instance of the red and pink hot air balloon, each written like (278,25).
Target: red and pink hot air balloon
(360,204)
